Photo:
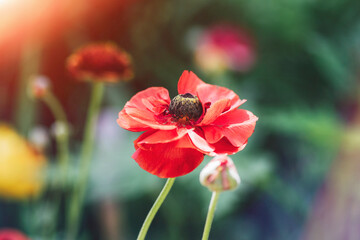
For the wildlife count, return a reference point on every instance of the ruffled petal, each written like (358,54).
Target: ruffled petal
(200,143)
(237,116)
(152,92)
(147,118)
(238,135)
(237,126)
(140,112)
(212,134)
(169,160)
(225,147)
(208,93)
(189,82)
(149,138)
(214,111)
(130,124)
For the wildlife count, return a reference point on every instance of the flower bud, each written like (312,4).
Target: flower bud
(220,174)
(39,137)
(59,129)
(39,86)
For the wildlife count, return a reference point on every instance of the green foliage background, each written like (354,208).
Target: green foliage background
(302,86)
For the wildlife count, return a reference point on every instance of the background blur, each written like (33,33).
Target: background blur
(295,61)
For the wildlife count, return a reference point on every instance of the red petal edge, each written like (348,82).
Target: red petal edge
(208,93)
(189,82)
(149,138)
(214,111)
(236,126)
(140,111)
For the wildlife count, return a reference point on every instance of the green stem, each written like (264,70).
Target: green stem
(62,142)
(24,114)
(76,202)
(210,215)
(55,107)
(160,199)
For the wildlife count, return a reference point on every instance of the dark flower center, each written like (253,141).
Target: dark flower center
(185,108)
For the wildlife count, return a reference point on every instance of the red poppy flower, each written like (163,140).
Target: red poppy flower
(202,119)
(10,234)
(100,62)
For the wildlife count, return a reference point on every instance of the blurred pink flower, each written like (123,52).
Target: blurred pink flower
(224,47)
(11,234)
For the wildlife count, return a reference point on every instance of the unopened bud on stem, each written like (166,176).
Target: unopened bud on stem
(39,86)
(220,174)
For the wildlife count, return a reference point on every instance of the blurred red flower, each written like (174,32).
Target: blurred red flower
(10,234)
(100,62)
(202,119)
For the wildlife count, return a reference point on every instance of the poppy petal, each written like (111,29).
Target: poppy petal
(160,136)
(140,112)
(200,143)
(212,134)
(238,134)
(152,92)
(189,82)
(237,116)
(147,118)
(225,147)
(208,93)
(214,111)
(237,126)
(166,160)
(130,124)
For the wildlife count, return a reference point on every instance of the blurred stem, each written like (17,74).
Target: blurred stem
(160,199)
(77,199)
(210,215)
(357,113)
(30,64)
(62,142)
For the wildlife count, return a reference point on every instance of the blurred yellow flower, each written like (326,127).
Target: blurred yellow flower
(20,166)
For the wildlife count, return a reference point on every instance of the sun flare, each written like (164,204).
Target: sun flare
(5,2)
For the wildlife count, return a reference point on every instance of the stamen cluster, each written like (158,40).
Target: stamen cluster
(185,108)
